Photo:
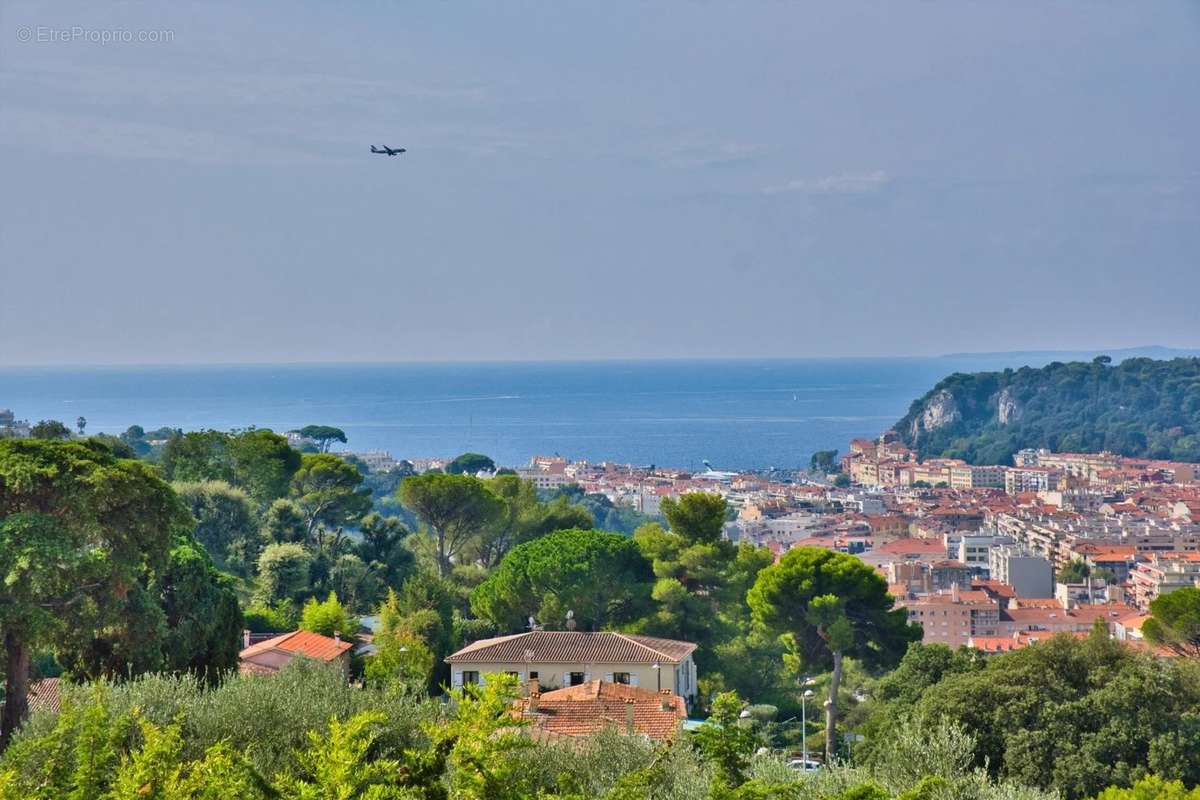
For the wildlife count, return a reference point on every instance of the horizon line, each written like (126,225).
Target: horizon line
(600,360)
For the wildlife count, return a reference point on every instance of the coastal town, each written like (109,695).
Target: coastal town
(989,556)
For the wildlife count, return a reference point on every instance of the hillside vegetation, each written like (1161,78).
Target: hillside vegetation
(1141,407)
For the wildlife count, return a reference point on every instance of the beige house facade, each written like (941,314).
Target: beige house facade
(560,659)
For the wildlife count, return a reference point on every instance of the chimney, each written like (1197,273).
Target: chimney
(245,638)
(954,595)
(667,700)
(533,686)
(629,716)
(534,697)
(337,636)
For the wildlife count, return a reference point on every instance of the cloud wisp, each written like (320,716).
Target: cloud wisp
(857,183)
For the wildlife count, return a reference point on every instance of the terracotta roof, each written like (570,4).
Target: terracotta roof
(589,707)
(304,643)
(574,647)
(993,587)
(926,546)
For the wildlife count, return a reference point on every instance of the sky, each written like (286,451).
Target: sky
(585,180)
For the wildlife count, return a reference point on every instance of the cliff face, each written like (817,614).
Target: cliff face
(1008,408)
(938,411)
(1141,408)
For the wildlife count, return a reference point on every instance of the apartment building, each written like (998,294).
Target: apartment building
(953,617)
(1030,574)
(1161,574)
(976,476)
(1019,480)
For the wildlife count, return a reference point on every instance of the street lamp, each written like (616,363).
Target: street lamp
(805,695)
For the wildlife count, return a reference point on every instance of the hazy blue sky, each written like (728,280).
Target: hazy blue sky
(596,179)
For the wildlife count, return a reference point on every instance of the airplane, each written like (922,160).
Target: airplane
(388,151)
(714,475)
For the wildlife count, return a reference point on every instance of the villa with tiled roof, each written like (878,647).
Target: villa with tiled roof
(570,658)
(271,655)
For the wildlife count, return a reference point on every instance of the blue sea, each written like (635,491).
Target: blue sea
(739,414)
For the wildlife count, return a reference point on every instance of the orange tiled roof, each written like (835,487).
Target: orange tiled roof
(304,643)
(574,647)
(992,586)
(589,707)
(927,546)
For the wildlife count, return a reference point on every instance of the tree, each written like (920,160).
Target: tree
(258,461)
(135,437)
(1151,787)
(699,517)
(50,429)
(116,445)
(78,528)
(323,435)
(725,743)
(1175,621)
(484,739)
(383,548)
(275,618)
(225,523)
(197,456)
(284,522)
(327,490)
(700,589)
(455,507)
(425,607)
(355,581)
(842,481)
(263,464)
(402,656)
(524,518)
(1076,571)
(1074,716)
(823,461)
(328,618)
(283,572)
(204,622)
(600,576)
(470,464)
(830,605)
(81,423)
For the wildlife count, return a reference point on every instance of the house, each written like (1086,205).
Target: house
(271,655)
(592,706)
(558,659)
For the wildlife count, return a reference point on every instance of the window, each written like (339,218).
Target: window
(470,677)
(576,678)
(621,677)
(533,676)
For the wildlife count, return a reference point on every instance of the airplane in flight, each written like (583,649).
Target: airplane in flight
(388,151)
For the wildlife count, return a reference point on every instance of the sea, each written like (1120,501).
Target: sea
(735,414)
